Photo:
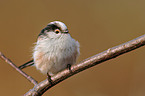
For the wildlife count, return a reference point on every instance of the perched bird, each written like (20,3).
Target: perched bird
(55,49)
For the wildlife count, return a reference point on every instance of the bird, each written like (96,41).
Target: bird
(55,49)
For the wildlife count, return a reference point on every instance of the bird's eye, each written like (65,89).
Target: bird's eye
(57,31)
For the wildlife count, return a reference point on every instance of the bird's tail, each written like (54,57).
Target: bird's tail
(29,63)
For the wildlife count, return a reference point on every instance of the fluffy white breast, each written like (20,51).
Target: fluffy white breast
(53,55)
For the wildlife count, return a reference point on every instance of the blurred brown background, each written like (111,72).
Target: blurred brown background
(96,24)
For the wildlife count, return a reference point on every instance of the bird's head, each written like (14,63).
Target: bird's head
(54,29)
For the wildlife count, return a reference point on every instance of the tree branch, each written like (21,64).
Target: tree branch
(18,69)
(43,86)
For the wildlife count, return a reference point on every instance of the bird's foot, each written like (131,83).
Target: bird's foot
(49,78)
(69,67)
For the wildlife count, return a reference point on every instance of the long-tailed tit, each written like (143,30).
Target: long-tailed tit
(55,49)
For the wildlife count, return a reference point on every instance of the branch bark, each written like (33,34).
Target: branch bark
(43,86)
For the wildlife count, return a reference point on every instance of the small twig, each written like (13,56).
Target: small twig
(19,70)
(43,86)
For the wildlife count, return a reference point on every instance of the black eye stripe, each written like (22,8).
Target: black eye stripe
(52,27)
(42,32)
